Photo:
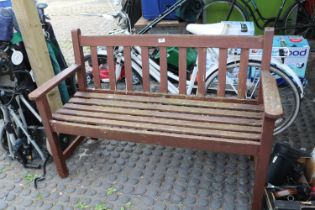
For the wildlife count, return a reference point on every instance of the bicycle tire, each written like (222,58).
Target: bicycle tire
(219,8)
(4,142)
(133,9)
(288,96)
(297,20)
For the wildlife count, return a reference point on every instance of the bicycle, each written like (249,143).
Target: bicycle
(17,136)
(299,18)
(21,132)
(282,71)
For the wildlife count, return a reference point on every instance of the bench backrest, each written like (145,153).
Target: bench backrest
(201,43)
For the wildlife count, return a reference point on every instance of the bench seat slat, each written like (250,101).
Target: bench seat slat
(160,121)
(161,128)
(206,98)
(166,139)
(166,115)
(169,108)
(172,101)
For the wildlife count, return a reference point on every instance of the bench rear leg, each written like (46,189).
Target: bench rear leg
(262,163)
(59,159)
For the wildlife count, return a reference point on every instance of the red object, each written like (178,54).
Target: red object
(299,39)
(313,189)
(104,73)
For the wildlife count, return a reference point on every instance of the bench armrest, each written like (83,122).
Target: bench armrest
(53,82)
(272,102)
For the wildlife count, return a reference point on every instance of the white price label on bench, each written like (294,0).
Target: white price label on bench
(161,40)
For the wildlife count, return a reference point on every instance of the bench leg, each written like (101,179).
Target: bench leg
(59,159)
(259,186)
(262,163)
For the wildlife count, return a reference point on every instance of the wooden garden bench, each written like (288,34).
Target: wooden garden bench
(219,124)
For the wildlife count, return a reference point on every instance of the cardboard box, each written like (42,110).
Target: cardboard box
(291,50)
(309,166)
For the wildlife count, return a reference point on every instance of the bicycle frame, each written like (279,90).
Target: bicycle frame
(260,16)
(9,116)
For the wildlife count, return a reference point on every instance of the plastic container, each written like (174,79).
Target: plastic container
(6,24)
(153,8)
(5,3)
(283,159)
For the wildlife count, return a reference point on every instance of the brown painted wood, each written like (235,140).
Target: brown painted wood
(171,101)
(79,59)
(71,148)
(189,97)
(262,163)
(128,68)
(145,69)
(265,62)
(182,68)
(160,138)
(201,70)
(158,127)
(163,70)
(59,159)
(112,69)
(168,108)
(53,82)
(271,97)
(160,121)
(96,70)
(267,49)
(162,40)
(167,115)
(222,72)
(235,125)
(242,75)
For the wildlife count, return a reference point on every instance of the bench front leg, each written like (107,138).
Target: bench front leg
(262,162)
(58,157)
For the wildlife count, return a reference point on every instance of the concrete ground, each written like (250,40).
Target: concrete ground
(121,175)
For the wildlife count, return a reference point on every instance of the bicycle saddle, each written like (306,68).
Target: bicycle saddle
(207,29)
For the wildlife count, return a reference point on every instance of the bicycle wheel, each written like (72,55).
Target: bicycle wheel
(299,21)
(218,10)
(4,141)
(288,91)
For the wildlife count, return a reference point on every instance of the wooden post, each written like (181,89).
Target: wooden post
(36,48)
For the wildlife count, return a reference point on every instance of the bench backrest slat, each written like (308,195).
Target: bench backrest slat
(163,43)
(95,68)
(222,72)
(111,67)
(149,40)
(128,69)
(163,70)
(145,69)
(182,70)
(242,74)
(201,71)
